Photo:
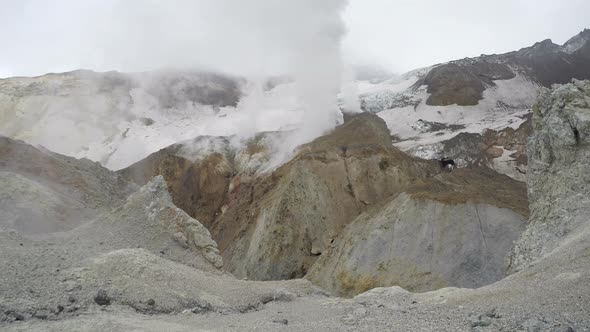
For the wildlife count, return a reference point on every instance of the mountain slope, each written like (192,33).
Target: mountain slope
(46,192)
(114,118)
(452,230)
(329,180)
(425,109)
(277,224)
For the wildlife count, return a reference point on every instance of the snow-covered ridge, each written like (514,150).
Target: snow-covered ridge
(510,84)
(117,125)
(501,107)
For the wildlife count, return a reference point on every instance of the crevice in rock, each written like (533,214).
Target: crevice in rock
(432,247)
(575,131)
(485,243)
(576,135)
(349,183)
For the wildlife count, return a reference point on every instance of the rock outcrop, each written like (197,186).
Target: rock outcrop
(476,109)
(131,266)
(198,184)
(96,277)
(558,177)
(120,118)
(150,214)
(455,229)
(203,172)
(501,150)
(349,211)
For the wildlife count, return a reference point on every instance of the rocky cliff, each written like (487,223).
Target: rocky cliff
(559,156)
(455,229)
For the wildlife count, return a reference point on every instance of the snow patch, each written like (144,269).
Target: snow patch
(504,105)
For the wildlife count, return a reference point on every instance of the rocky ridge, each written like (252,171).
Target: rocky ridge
(462,82)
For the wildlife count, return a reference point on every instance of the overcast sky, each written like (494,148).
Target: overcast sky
(249,36)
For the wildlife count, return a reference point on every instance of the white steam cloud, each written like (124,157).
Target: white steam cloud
(314,44)
(350,95)
(299,39)
(309,34)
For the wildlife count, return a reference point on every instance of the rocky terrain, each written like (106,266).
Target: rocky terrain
(144,264)
(170,202)
(141,252)
(276,226)
(336,175)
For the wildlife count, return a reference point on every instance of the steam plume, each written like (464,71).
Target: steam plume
(313,40)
